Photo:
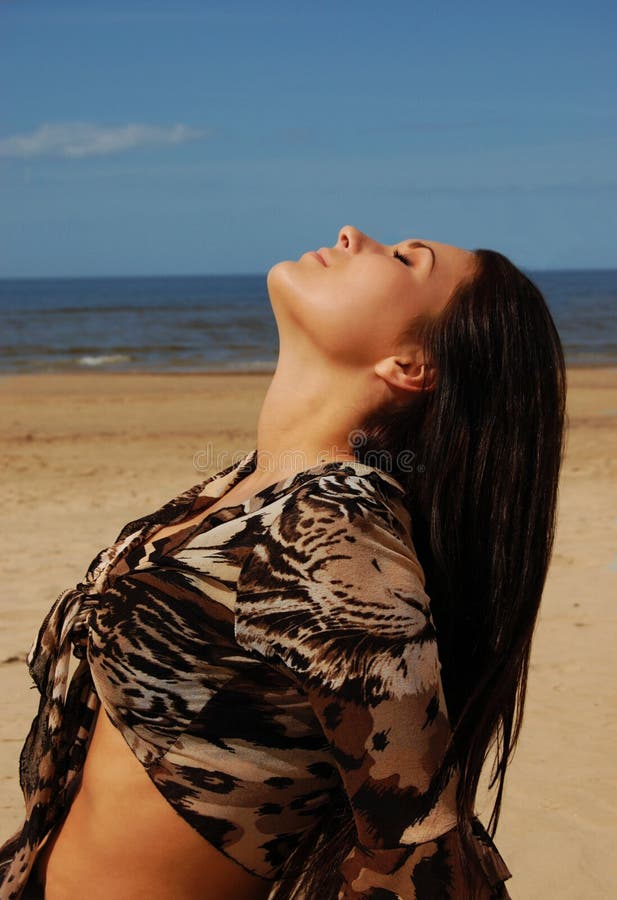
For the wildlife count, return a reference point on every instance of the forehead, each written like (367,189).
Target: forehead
(448,255)
(438,247)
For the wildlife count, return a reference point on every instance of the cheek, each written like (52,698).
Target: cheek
(375,312)
(350,324)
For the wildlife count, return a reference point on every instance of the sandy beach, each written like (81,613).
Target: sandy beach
(83,454)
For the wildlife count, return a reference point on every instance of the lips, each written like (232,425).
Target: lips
(319,256)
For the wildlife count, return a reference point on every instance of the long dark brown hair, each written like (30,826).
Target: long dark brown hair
(487,441)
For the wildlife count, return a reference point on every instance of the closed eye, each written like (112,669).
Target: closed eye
(404,259)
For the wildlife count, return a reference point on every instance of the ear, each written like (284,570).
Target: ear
(406,373)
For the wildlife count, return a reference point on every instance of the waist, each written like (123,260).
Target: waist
(137,850)
(122,837)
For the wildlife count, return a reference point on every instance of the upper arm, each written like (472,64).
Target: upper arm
(335,597)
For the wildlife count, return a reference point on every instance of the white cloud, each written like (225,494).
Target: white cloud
(76,140)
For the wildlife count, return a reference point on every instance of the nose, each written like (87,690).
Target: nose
(349,238)
(353,240)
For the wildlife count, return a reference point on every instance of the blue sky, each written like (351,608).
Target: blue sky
(219,137)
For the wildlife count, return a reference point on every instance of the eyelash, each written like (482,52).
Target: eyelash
(403,259)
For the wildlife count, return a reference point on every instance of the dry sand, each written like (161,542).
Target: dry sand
(83,454)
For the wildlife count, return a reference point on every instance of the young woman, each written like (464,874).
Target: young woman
(289,677)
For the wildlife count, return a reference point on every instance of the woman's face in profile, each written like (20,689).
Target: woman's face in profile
(353,300)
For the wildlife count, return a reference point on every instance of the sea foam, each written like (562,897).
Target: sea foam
(103,359)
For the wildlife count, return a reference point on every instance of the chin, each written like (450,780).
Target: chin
(279,278)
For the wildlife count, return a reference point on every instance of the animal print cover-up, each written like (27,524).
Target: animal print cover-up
(258,664)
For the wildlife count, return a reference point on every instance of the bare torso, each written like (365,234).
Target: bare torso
(121,838)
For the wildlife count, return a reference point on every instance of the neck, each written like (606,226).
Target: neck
(304,422)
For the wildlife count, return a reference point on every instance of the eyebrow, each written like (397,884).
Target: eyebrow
(420,244)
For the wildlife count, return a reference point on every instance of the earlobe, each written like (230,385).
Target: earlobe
(404,374)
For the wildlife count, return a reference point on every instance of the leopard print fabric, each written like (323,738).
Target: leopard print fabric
(257,664)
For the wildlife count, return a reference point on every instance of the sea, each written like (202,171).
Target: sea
(223,323)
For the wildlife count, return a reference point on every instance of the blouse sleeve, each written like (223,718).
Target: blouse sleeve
(334,594)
